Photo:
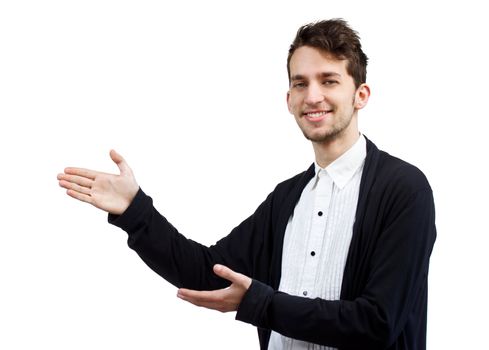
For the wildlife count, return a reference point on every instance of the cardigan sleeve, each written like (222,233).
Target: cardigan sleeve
(398,268)
(184,262)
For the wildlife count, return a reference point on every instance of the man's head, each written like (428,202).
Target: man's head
(327,71)
(336,38)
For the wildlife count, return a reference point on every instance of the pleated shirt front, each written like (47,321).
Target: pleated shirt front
(318,235)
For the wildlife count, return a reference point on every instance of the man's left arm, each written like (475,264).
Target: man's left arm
(398,270)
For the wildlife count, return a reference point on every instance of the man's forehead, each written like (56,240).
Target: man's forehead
(310,58)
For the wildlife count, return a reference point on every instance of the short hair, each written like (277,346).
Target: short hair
(335,37)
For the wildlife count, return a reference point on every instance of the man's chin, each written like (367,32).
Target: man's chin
(320,137)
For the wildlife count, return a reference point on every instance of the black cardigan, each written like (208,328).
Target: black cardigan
(384,292)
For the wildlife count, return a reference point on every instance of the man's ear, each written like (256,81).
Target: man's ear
(288,102)
(361,96)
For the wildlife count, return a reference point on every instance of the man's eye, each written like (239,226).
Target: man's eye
(298,85)
(330,82)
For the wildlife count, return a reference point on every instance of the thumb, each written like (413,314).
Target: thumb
(226,273)
(121,163)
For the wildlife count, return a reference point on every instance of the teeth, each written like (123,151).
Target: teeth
(315,115)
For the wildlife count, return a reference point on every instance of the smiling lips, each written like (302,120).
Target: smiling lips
(315,116)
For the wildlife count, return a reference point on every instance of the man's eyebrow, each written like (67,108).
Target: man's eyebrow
(329,74)
(297,77)
(322,75)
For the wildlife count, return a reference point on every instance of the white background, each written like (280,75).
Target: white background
(192,93)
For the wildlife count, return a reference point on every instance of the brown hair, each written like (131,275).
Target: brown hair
(334,36)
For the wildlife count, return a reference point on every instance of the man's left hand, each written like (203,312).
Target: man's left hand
(224,300)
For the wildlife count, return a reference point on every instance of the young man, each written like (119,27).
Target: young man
(337,255)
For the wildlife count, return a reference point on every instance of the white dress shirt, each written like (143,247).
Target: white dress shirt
(318,235)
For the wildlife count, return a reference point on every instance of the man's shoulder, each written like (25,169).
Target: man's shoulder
(400,173)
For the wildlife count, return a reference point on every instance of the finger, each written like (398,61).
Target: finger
(226,273)
(80,196)
(79,180)
(90,174)
(120,161)
(73,186)
(216,300)
(235,277)
(195,296)
(208,305)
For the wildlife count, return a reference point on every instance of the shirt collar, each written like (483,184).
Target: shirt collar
(345,166)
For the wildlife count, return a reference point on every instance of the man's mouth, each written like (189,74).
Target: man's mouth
(315,116)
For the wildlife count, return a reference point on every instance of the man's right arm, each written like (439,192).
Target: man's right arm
(182,261)
(179,260)
(158,243)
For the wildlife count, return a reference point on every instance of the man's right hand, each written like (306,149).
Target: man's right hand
(109,192)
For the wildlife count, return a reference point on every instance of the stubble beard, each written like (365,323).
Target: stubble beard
(336,130)
(329,135)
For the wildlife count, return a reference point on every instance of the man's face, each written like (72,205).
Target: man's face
(322,95)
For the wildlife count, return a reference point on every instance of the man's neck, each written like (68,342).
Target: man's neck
(328,151)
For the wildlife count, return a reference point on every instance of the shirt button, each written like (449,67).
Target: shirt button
(304,293)
(313,253)
(320,213)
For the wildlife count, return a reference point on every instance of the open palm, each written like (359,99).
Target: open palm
(109,192)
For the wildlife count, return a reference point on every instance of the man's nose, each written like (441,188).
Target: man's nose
(314,94)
